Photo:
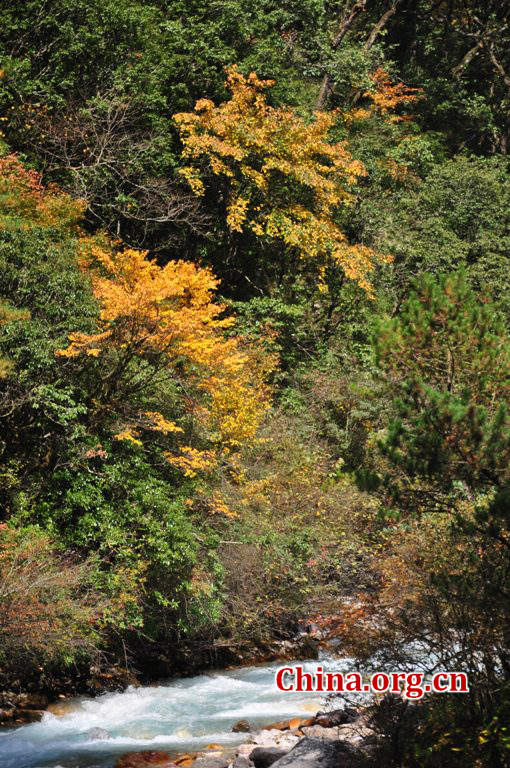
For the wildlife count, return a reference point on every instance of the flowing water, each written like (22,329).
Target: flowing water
(177,716)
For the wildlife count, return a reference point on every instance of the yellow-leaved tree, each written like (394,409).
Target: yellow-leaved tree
(285,180)
(166,316)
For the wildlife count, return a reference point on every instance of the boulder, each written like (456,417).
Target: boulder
(241,762)
(281,739)
(244,751)
(318,732)
(289,725)
(145,760)
(185,760)
(242,726)
(336,717)
(212,761)
(263,757)
(281,725)
(357,733)
(300,722)
(317,753)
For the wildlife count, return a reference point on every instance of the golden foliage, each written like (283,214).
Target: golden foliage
(129,435)
(192,461)
(168,313)
(159,309)
(286,180)
(159,424)
(387,96)
(218,506)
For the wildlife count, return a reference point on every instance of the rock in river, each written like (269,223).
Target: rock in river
(286,725)
(241,762)
(336,717)
(263,757)
(314,753)
(242,726)
(318,732)
(145,760)
(212,761)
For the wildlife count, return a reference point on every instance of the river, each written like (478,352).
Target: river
(175,716)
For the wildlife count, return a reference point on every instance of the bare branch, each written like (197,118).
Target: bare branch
(106,151)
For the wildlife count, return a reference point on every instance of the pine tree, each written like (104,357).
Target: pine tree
(446,359)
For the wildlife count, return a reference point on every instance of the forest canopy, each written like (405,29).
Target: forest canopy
(254,346)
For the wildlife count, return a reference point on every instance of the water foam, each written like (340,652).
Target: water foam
(177,716)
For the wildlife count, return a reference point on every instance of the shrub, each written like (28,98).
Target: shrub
(49,608)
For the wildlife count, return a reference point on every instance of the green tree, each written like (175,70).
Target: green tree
(446,363)
(456,216)
(447,360)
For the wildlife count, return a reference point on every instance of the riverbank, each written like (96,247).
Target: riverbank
(313,742)
(20,706)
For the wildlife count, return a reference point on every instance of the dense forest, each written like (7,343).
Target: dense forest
(254,345)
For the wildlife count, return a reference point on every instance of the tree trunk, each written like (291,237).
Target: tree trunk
(378,28)
(344,27)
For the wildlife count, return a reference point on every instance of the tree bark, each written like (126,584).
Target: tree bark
(376,31)
(378,28)
(499,67)
(467,59)
(344,27)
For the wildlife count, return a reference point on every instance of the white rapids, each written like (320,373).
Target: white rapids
(177,716)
